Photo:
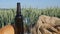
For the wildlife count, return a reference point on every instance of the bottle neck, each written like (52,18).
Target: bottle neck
(18,9)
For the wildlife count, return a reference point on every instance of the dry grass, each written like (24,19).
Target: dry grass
(47,25)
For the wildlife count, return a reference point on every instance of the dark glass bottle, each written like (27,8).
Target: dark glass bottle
(19,20)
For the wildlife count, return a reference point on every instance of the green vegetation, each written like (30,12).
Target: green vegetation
(31,14)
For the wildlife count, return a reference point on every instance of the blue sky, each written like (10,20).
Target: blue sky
(30,3)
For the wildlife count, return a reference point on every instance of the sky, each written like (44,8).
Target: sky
(30,3)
